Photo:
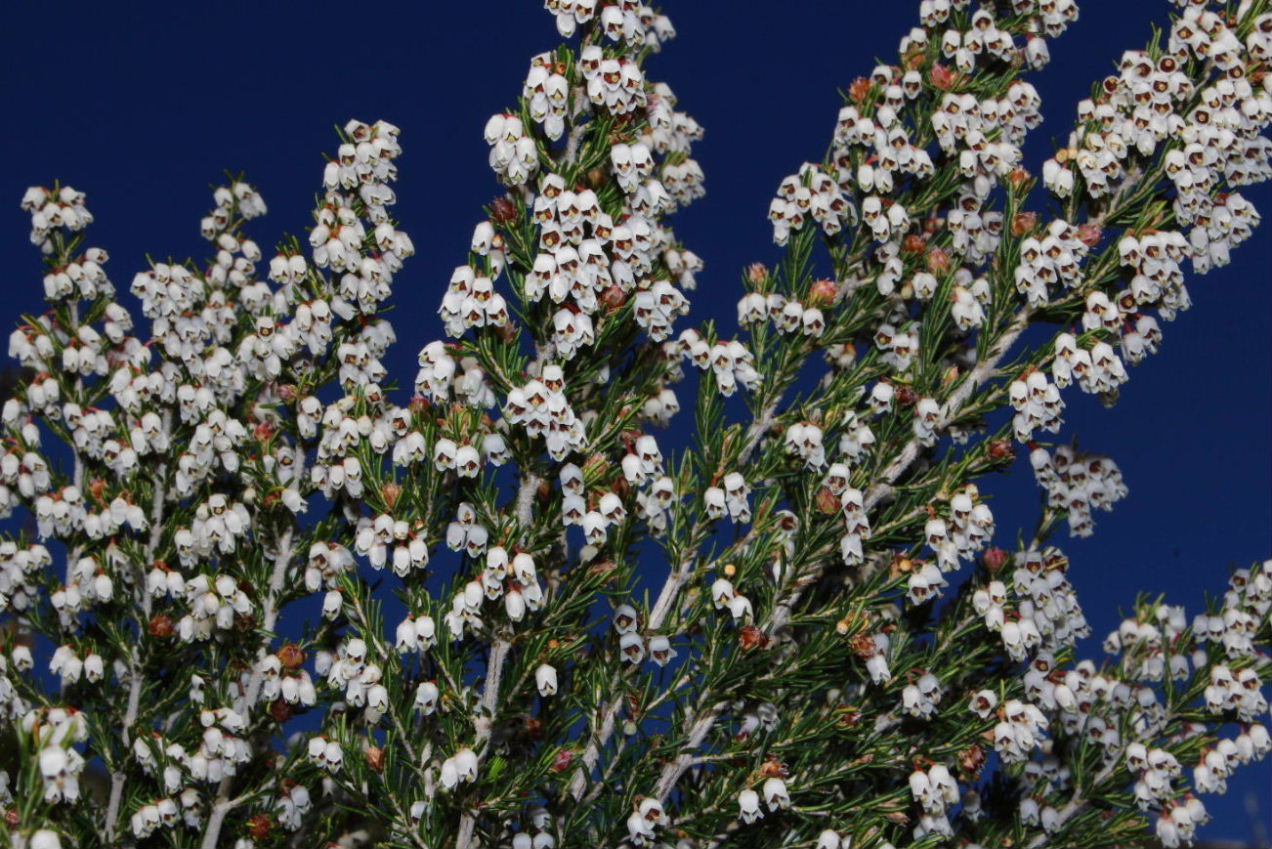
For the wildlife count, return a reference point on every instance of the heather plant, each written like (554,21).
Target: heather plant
(271,595)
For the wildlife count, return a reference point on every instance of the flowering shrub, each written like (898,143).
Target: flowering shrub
(268,599)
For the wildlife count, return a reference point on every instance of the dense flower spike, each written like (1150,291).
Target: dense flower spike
(518,685)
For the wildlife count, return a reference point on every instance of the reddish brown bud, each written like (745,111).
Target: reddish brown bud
(857,91)
(259,827)
(161,626)
(1024,223)
(1017,177)
(288,392)
(827,501)
(995,558)
(508,332)
(849,717)
(900,565)
(756,273)
(390,492)
(822,293)
(291,656)
(375,757)
(503,210)
(561,762)
(1089,234)
(864,646)
(942,77)
(613,298)
(970,761)
(774,768)
(96,487)
(280,710)
(1001,449)
(938,261)
(914,244)
(751,637)
(906,396)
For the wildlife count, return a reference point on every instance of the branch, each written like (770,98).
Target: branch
(523,506)
(277,579)
(485,725)
(135,682)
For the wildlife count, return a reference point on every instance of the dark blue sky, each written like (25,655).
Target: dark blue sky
(144,104)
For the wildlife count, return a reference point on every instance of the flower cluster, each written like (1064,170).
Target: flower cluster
(1078,483)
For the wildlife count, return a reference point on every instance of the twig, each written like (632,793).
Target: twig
(697,733)
(983,371)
